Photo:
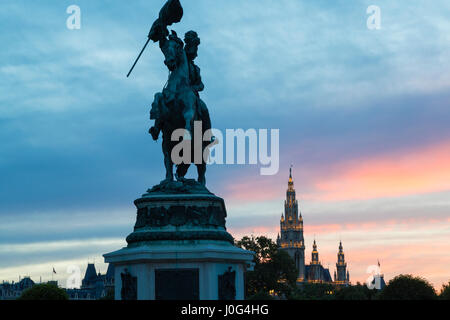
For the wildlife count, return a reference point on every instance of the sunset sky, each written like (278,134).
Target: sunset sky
(363,117)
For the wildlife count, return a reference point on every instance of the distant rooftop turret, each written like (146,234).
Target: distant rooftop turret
(110,272)
(90,277)
(343,276)
(315,254)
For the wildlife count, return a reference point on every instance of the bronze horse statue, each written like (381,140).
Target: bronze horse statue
(176,107)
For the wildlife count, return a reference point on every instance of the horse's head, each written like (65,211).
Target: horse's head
(173,49)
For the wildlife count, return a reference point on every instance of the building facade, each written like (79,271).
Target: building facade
(315,272)
(13,290)
(94,285)
(290,239)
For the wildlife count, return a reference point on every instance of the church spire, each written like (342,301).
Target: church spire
(291,229)
(315,254)
(290,181)
(341,257)
(343,276)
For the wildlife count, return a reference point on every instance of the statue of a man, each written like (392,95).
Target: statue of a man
(192,41)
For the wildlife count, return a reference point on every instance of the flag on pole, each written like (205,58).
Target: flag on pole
(54,271)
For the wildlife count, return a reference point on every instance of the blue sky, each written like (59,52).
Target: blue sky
(75,150)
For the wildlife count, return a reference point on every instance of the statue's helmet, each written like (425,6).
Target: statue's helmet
(191,38)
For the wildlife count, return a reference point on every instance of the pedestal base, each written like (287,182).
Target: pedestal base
(183,271)
(180,250)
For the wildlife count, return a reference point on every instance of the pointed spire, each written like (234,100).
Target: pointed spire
(315,254)
(291,181)
(341,264)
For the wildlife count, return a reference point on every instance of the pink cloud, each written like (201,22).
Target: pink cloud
(427,258)
(403,173)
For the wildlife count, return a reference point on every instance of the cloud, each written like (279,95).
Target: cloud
(417,171)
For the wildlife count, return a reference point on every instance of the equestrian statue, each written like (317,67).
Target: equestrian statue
(179,104)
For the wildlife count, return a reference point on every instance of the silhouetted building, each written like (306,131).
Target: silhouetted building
(378,281)
(12,291)
(94,285)
(315,272)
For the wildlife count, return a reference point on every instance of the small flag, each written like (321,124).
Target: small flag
(379,263)
(54,271)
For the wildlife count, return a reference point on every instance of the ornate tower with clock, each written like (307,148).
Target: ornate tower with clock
(291,227)
(341,275)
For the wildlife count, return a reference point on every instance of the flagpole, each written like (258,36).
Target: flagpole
(139,56)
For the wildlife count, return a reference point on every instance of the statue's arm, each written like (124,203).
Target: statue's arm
(158,33)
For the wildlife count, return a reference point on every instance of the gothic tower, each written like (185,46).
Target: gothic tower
(291,225)
(315,254)
(341,276)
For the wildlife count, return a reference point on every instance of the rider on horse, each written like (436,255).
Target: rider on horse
(192,41)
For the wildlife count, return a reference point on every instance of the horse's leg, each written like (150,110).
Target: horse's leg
(167,160)
(201,170)
(182,169)
(169,168)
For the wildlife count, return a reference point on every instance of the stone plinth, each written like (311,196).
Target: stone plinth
(180,249)
(179,217)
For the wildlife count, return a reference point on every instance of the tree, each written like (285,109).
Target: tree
(407,287)
(274,269)
(260,296)
(445,292)
(46,291)
(356,292)
(314,291)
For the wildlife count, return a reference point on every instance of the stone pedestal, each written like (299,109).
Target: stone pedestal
(180,250)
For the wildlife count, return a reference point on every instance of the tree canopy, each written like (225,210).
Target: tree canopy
(356,292)
(314,291)
(445,292)
(408,287)
(274,269)
(45,291)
